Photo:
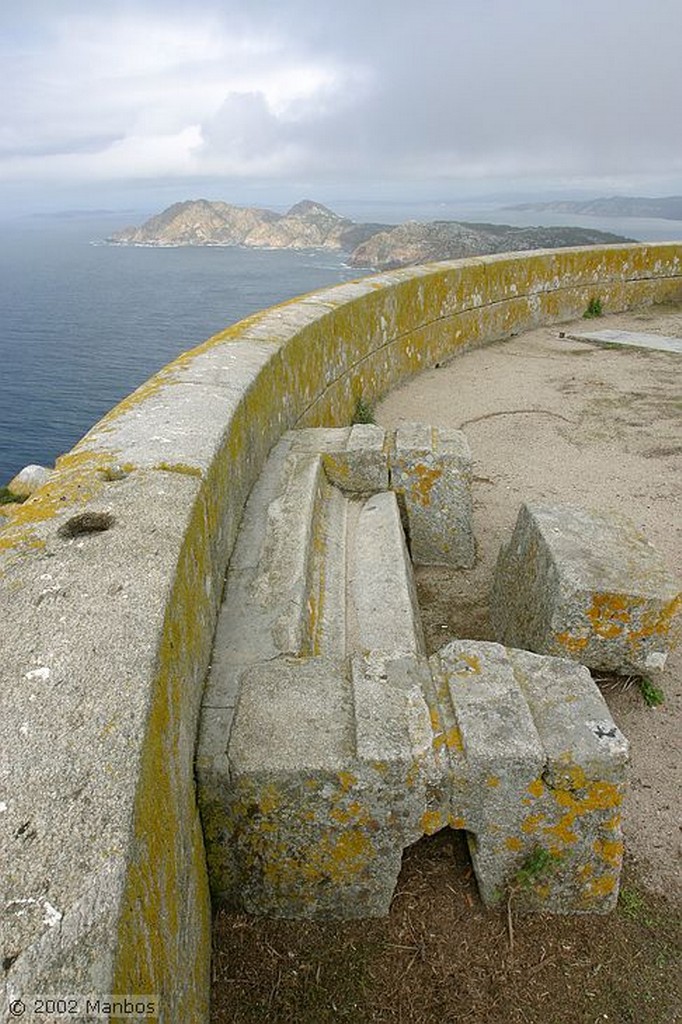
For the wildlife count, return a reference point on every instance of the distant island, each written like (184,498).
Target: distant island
(666,208)
(310,225)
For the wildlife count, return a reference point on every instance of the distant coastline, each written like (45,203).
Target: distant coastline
(310,225)
(664,208)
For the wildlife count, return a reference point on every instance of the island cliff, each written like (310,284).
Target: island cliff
(307,225)
(310,225)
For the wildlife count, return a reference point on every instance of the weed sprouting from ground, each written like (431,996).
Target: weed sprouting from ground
(653,695)
(594,308)
(631,903)
(363,412)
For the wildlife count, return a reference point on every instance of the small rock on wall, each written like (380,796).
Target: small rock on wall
(28,480)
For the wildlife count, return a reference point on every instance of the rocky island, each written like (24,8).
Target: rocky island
(310,225)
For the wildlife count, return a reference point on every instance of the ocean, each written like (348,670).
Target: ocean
(83,324)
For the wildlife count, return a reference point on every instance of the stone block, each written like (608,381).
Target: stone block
(314,440)
(361,465)
(431,474)
(354,458)
(590,587)
(325,787)
(327,745)
(333,768)
(544,765)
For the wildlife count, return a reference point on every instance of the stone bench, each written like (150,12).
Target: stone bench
(590,587)
(328,742)
(286,585)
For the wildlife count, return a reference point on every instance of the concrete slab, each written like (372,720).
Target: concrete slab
(293,715)
(266,608)
(635,339)
(81,624)
(185,427)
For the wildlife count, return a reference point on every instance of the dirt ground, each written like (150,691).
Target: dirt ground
(442,958)
(551,419)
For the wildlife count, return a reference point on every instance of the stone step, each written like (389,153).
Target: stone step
(289,586)
(539,773)
(326,633)
(266,610)
(382,595)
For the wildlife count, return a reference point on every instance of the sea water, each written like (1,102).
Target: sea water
(83,324)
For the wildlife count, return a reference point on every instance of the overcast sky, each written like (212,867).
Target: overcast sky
(126,103)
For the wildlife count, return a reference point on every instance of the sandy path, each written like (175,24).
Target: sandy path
(559,420)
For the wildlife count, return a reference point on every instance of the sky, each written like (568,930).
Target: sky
(116,105)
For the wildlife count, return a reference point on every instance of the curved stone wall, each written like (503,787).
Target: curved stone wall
(110,580)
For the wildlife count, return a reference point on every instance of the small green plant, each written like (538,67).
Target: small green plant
(631,903)
(634,904)
(536,864)
(594,308)
(363,412)
(653,695)
(7,498)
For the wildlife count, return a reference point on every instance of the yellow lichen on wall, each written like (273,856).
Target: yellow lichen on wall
(571,643)
(658,622)
(426,478)
(532,822)
(164,927)
(454,740)
(79,476)
(610,851)
(431,822)
(610,614)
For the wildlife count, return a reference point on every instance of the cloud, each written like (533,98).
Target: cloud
(450,90)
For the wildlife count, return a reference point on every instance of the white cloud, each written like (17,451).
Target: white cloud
(150,156)
(136,88)
(454,90)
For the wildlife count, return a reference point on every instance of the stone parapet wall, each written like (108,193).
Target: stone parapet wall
(111,577)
